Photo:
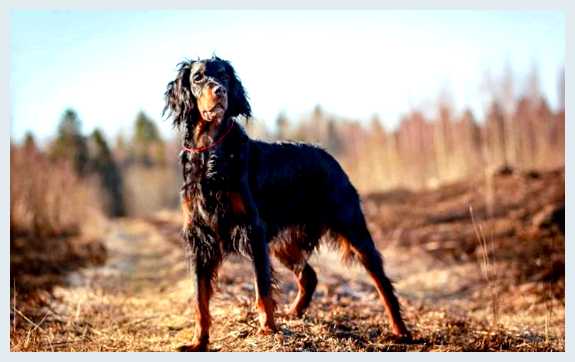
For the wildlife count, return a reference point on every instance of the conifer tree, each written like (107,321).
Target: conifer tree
(69,143)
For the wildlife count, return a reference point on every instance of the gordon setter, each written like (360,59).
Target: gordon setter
(257,198)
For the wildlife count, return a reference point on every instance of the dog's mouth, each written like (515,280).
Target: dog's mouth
(214,113)
(217,107)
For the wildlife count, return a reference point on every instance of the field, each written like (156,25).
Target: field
(453,138)
(478,265)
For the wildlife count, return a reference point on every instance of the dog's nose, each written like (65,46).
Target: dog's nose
(219,90)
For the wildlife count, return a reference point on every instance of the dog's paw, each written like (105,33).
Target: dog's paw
(266,330)
(294,313)
(193,347)
(404,337)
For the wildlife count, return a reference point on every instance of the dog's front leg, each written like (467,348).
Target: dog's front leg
(204,267)
(245,207)
(203,293)
(263,275)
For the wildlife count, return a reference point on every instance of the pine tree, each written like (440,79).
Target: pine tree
(104,166)
(69,143)
(30,142)
(147,145)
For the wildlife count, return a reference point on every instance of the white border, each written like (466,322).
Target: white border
(6,6)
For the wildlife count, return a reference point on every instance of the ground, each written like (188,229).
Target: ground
(485,278)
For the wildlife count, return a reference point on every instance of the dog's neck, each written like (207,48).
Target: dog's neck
(205,133)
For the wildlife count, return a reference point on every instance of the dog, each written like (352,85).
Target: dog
(259,199)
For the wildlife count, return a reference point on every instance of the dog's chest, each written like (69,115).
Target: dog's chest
(216,170)
(211,182)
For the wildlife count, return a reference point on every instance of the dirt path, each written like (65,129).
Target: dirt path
(140,301)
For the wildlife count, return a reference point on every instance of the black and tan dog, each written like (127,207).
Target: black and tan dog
(256,198)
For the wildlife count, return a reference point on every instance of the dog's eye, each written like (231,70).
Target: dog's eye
(197,77)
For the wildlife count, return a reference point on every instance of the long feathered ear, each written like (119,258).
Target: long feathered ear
(180,102)
(238,100)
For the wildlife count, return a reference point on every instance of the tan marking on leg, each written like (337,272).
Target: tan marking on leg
(266,307)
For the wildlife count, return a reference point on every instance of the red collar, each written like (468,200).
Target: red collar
(214,144)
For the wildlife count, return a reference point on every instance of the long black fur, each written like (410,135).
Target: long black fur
(293,194)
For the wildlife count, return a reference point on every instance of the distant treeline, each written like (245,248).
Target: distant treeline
(425,152)
(128,178)
(140,174)
(520,132)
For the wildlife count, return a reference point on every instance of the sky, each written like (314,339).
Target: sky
(109,65)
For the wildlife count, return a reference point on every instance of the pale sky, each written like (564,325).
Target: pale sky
(355,64)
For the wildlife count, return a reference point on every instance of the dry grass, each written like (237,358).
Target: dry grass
(141,299)
(46,197)
(487,269)
(149,189)
(55,219)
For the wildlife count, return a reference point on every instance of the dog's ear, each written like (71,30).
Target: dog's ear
(180,102)
(238,100)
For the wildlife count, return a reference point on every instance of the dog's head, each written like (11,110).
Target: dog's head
(205,90)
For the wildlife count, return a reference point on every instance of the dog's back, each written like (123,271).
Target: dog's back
(298,184)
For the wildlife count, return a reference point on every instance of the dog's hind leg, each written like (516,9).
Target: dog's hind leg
(292,249)
(306,282)
(356,241)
